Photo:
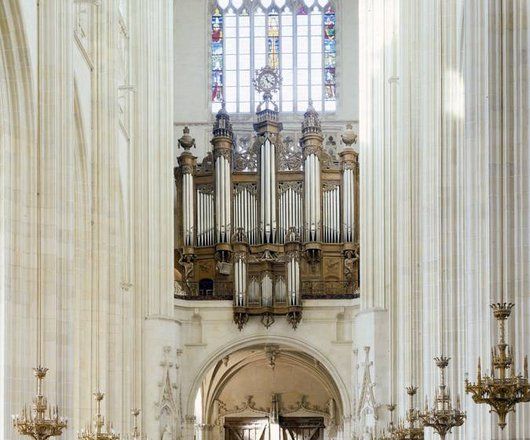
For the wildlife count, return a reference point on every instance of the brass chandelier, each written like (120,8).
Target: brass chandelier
(442,417)
(99,430)
(501,390)
(136,434)
(40,421)
(412,427)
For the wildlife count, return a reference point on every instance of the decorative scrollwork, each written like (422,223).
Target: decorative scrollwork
(207,164)
(295,186)
(290,156)
(246,155)
(252,188)
(326,186)
(186,169)
(240,319)
(223,152)
(206,189)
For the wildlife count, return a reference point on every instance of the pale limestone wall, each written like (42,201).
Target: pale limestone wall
(106,201)
(444,205)
(208,334)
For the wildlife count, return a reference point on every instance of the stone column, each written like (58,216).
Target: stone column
(152,61)
(378,40)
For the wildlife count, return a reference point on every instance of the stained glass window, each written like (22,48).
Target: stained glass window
(217,57)
(298,37)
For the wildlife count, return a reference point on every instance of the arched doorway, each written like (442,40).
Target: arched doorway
(268,392)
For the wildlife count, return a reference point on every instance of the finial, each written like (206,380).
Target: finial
(222,126)
(349,137)
(186,141)
(311,122)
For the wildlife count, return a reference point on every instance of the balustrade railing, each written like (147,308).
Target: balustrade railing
(308,289)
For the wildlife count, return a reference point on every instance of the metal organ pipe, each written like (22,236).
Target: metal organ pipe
(268,192)
(293,279)
(228,185)
(272,207)
(240,273)
(348,205)
(312,201)
(187,208)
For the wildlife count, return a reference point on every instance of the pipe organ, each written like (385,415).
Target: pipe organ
(268,227)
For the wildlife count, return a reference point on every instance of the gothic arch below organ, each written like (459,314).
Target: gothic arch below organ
(267,378)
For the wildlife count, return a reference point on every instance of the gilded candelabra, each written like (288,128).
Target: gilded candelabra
(412,427)
(101,430)
(136,434)
(501,391)
(40,421)
(442,417)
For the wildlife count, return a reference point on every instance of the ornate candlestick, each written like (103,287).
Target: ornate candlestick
(136,434)
(501,391)
(40,421)
(442,417)
(101,430)
(411,428)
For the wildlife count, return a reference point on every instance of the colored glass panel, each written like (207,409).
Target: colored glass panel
(217,56)
(273,40)
(330,55)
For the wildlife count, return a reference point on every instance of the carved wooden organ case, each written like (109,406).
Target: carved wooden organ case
(269,226)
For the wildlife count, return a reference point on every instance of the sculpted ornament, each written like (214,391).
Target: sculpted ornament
(186,169)
(290,156)
(223,152)
(207,163)
(312,149)
(168,406)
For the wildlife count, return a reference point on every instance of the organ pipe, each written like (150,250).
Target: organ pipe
(187,164)
(240,280)
(331,214)
(268,191)
(312,201)
(349,164)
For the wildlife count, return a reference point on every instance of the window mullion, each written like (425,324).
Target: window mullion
(309,57)
(280,50)
(251,65)
(238,18)
(295,60)
(322,62)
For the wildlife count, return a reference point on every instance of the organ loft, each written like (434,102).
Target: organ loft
(268,227)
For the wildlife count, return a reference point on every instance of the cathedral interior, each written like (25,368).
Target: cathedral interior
(264,219)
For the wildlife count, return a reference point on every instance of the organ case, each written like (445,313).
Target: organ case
(268,227)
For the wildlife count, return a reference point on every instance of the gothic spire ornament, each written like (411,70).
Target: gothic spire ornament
(501,390)
(311,122)
(222,126)
(442,417)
